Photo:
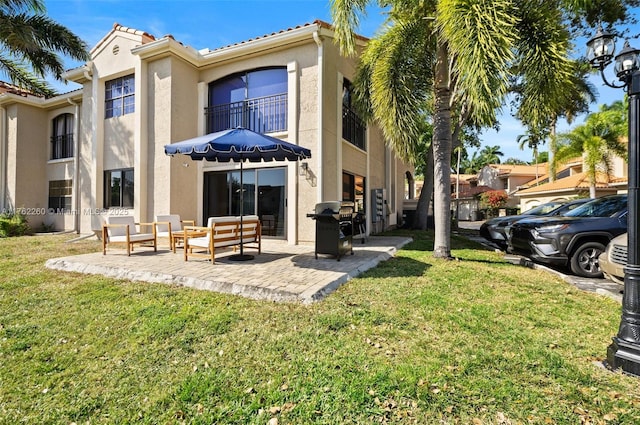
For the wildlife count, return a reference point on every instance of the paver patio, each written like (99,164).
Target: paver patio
(282,272)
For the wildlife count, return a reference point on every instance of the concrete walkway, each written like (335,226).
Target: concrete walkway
(282,272)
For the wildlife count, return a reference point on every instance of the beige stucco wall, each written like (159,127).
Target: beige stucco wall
(173,116)
(27,153)
(90,160)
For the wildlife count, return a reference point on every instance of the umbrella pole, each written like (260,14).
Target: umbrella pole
(241,256)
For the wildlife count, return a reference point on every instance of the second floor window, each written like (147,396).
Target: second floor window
(120,96)
(62,137)
(353,127)
(256,100)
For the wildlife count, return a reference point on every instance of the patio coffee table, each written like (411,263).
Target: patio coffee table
(179,237)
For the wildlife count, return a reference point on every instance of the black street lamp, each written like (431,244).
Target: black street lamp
(624,352)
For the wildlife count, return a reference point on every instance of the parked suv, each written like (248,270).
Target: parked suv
(495,229)
(575,239)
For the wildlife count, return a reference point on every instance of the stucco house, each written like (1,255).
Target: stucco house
(68,161)
(571,182)
(509,177)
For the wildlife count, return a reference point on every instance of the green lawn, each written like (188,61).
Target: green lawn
(415,340)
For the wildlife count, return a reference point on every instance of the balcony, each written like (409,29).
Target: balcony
(62,146)
(353,128)
(262,114)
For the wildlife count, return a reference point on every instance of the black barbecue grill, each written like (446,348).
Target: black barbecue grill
(334,228)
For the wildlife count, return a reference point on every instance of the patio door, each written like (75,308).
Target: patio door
(264,194)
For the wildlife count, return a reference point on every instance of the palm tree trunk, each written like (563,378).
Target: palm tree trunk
(442,156)
(422,209)
(553,147)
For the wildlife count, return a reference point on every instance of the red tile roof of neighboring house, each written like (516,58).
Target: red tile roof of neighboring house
(578,181)
(471,192)
(519,170)
(464,178)
(10,88)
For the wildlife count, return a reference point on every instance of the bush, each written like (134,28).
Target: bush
(12,224)
(494,199)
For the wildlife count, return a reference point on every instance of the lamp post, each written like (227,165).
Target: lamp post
(624,352)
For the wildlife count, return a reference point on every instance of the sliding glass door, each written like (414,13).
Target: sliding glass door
(264,194)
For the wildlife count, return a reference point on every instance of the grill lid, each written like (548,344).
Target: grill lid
(329,207)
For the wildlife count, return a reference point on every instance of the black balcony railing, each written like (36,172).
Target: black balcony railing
(62,146)
(353,128)
(261,114)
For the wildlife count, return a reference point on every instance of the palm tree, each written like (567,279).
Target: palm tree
(532,139)
(491,155)
(597,140)
(30,43)
(579,94)
(455,58)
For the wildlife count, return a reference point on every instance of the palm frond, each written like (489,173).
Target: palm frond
(19,6)
(346,19)
(480,37)
(542,61)
(399,64)
(22,78)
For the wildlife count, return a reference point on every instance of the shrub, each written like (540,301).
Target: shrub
(492,200)
(13,224)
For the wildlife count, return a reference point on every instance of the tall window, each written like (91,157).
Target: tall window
(353,189)
(256,100)
(353,128)
(62,137)
(118,188)
(120,96)
(60,194)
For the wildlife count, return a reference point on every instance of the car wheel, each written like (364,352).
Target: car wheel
(584,261)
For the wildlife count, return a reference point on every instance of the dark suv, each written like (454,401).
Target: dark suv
(575,239)
(495,229)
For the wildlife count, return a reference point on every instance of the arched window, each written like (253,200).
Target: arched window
(256,100)
(62,137)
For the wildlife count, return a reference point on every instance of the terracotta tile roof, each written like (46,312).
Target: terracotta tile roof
(317,22)
(145,36)
(10,88)
(578,181)
(520,170)
(470,193)
(544,178)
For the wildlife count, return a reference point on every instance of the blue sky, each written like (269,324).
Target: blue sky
(216,23)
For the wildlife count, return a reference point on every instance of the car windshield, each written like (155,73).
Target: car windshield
(542,209)
(565,208)
(601,207)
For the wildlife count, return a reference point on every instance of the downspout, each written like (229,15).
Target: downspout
(76,165)
(3,158)
(318,40)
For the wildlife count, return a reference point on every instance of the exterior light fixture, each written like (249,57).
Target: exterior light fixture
(624,351)
(304,169)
